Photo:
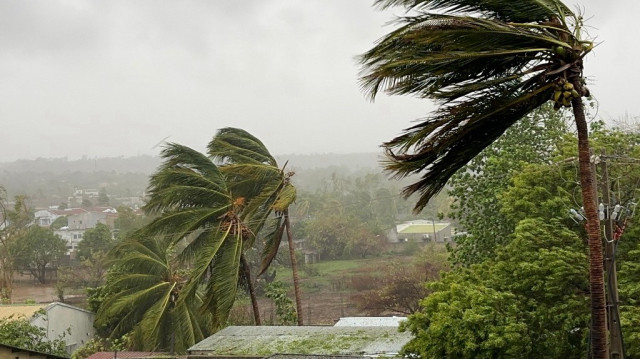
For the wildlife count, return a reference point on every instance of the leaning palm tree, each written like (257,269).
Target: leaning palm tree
(488,63)
(145,298)
(253,173)
(196,209)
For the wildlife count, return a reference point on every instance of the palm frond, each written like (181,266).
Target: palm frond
(433,52)
(486,62)
(272,243)
(234,145)
(505,10)
(185,179)
(444,143)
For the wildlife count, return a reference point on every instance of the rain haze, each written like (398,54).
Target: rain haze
(115,78)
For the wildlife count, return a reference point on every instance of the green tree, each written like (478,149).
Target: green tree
(18,332)
(532,302)
(476,187)
(13,225)
(127,221)
(194,207)
(97,239)
(284,306)
(59,222)
(253,173)
(145,299)
(489,64)
(37,250)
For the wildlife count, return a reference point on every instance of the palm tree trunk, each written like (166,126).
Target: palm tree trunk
(294,267)
(589,198)
(252,291)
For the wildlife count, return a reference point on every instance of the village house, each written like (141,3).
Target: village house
(421,231)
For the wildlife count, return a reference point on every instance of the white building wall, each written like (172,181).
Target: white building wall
(74,324)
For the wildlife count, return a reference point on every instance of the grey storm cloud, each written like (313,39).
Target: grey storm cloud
(111,78)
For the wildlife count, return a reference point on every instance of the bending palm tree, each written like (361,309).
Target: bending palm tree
(253,173)
(195,205)
(489,63)
(146,299)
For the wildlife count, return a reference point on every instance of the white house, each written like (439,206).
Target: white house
(421,231)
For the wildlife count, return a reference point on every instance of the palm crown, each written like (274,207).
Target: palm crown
(488,63)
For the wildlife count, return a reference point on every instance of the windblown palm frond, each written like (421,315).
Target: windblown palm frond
(196,208)
(145,298)
(504,10)
(487,63)
(253,173)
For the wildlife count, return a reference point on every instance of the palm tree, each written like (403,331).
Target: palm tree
(197,210)
(146,299)
(253,173)
(487,63)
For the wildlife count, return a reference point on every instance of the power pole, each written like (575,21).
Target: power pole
(616,349)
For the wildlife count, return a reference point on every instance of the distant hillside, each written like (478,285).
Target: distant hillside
(137,164)
(353,161)
(49,181)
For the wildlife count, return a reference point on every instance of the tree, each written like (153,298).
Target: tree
(194,207)
(97,239)
(18,332)
(103,198)
(37,250)
(13,225)
(488,64)
(60,222)
(254,174)
(402,287)
(477,187)
(531,302)
(145,299)
(127,221)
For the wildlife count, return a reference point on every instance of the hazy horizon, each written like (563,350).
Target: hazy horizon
(116,78)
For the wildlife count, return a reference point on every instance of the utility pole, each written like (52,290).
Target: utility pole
(616,350)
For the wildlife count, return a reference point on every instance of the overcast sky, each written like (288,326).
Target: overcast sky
(114,78)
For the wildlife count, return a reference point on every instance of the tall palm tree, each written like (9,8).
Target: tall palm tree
(146,299)
(254,174)
(196,209)
(488,63)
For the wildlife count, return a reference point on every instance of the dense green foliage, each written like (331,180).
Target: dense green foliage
(143,299)
(477,187)
(529,263)
(18,332)
(37,250)
(285,310)
(531,302)
(94,240)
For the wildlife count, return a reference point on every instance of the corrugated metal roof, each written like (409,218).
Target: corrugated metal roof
(124,354)
(369,321)
(313,356)
(269,340)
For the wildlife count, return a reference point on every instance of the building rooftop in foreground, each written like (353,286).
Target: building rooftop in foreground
(262,341)
(370,321)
